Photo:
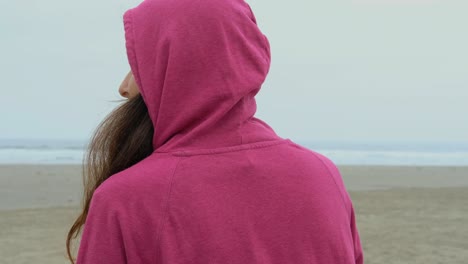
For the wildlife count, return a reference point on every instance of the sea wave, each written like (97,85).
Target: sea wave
(340,157)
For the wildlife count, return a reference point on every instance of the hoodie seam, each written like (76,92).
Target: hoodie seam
(347,206)
(162,220)
(331,175)
(262,144)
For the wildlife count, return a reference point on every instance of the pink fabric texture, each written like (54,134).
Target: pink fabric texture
(221,186)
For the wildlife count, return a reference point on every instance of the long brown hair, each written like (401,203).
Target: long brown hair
(121,140)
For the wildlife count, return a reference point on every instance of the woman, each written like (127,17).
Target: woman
(185,173)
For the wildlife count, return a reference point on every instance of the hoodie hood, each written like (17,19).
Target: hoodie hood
(198,65)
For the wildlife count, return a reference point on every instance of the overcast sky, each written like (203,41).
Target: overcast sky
(341,69)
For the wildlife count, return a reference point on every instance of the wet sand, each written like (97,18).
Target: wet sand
(404,214)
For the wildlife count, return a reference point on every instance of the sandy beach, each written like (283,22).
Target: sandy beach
(404,214)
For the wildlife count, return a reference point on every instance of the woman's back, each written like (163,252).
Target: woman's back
(265,202)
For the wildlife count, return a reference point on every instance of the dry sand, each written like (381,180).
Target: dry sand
(404,214)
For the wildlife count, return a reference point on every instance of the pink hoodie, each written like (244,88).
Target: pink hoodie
(221,186)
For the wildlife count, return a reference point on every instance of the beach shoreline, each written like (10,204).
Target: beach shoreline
(43,186)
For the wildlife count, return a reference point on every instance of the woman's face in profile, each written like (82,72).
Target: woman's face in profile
(129,88)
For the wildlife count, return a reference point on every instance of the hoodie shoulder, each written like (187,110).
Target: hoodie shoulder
(334,172)
(153,172)
(126,212)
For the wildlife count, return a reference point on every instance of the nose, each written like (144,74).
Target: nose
(123,90)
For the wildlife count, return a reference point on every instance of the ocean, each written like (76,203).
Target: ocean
(446,153)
